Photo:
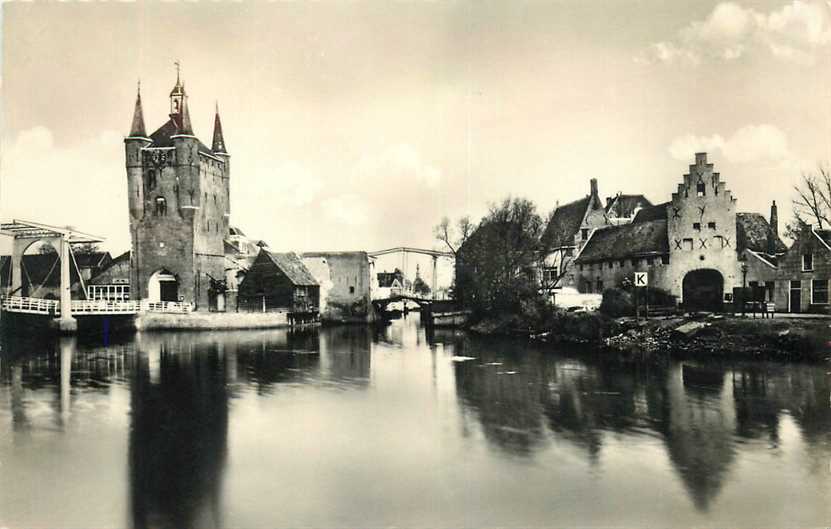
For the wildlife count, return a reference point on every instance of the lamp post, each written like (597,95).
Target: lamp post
(744,286)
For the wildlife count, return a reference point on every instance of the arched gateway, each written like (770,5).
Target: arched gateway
(703,290)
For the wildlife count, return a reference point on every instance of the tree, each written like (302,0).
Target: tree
(454,238)
(497,264)
(813,202)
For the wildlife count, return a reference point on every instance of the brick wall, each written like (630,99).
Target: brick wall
(791,269)
(345,285)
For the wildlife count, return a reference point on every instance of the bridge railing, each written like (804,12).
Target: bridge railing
(176,307)
(53,306)
(100,306)
(30,305)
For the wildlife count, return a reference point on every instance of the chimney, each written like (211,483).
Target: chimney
(773,233)
(593,187)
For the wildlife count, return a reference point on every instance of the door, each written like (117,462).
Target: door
(795,301)
(168,291)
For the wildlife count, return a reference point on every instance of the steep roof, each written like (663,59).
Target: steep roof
(624,206)
(628,240)
(162,137)
(291,265)
(565,223)
(824,236)
(752,231)
(92,259)
(137,129)
(656,212)
(219,139)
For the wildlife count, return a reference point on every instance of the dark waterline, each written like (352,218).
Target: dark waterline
(352,427)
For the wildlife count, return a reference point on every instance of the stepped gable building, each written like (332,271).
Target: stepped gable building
(179,208)
(696,247)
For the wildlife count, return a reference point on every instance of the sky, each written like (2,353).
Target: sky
(358,126)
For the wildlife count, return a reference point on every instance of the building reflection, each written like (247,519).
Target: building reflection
(178,433)
(701,414)
(345,354)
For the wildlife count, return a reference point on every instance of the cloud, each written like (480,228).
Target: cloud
(348,209)
(399,163)
(83,184)
(749,144)
(796,32)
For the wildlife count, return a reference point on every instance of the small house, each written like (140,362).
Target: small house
(278,282)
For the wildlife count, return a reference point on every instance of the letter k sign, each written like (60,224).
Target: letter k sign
(641,279)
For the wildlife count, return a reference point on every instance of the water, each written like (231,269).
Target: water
(349,427)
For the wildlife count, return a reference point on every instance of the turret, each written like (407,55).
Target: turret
(219,150)
(186,146)
(133,145)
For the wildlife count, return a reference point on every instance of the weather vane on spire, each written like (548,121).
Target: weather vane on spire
(178,66)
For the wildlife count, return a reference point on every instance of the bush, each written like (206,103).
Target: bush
(616,303)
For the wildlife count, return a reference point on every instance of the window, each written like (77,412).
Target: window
(711,225)
(550,274)
(151,179)
(599,286)
(610,264)
(569,252)
(351,290)
(665,259)
(581,268)
(584,233)
(819,292)
(649,261)
(161,206)
(796,285)
(697,226)
(807,262)
(621,263)
(700,189)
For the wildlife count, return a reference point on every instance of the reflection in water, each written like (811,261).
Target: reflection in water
(178,434)
(356,425)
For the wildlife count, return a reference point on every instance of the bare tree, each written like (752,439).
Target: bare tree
(813,202)
(452,237)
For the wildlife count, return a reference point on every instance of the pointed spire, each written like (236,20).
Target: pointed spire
(184,126)
(219,141)
(137,130)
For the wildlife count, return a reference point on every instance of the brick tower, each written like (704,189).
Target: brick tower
(179,208)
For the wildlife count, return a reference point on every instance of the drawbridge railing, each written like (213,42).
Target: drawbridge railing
(52,307)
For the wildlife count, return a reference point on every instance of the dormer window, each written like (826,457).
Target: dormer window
(584,233)
(700,189)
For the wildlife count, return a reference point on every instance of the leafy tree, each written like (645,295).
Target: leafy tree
(496,266)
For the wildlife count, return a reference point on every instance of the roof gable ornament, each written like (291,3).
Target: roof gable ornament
(137,129)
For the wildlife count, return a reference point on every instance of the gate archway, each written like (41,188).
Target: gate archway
(703,290)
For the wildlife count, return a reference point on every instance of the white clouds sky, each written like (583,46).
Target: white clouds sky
(359,125)
(796,31)
(752,143)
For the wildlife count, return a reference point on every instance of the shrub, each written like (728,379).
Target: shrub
(616,303)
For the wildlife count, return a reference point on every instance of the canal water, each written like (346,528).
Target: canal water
(355,427)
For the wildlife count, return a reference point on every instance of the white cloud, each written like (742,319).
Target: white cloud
(398,164)
(795,33)
(750,144)
(348,209)
(83,185)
